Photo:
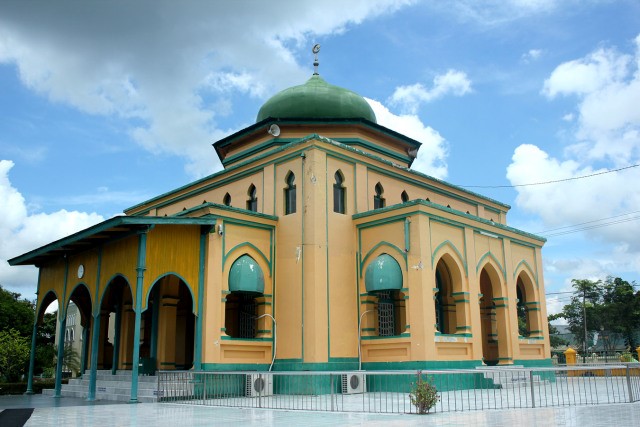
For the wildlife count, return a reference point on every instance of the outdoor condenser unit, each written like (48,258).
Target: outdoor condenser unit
(258,385)
(354,382)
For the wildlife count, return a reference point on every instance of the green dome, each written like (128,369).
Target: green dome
(316,99)
(383,274)
(246,276)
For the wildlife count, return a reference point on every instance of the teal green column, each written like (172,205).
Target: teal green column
(142,255)
(155,316)
(95,335)
(62,326)
(34,334)
(116,339)
(197,353)
(85,345)
(62,313)
(32,356)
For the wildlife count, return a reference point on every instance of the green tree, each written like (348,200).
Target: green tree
(15,313)
(611,308)
(45,343)
(584,303)
(70,359)
(554,338)
(620,309)
(14,354)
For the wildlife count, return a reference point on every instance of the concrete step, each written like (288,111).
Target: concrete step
(110,387)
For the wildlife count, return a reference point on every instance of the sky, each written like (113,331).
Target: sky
(106,104)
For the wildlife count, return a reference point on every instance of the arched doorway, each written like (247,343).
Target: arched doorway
(78,327)
(167,329)
(117,322)
(494,319)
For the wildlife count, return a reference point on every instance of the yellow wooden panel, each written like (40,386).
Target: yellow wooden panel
(119,257)
(173,249)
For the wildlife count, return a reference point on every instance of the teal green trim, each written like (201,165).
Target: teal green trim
(140,268)
(116,339)
(182,280)
(224,208)
(407,235)
(227,338)
(527,267)
(58,382)
(105,231)
(270,143)
(496,228)
(456,335)
(368,329)
(302,238)
(422,365)
(95,333)
(250,245)
(371,146)
(450,244)
(34,334)
(155,320)
(326,234)
(404,335)
(62,321)
(386,244)
(481,263)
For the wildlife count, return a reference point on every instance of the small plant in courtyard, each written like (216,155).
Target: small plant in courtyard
(423,395)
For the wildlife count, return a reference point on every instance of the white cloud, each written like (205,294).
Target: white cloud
(606,86)
(432,155)
(531,55)
(410,97)
(156,62)
(21,231)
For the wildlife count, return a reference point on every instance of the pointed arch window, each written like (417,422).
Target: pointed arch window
(252,202)
(378,200)
(290,194)
(404,197)
(227,199)
(338,193)
(246,287)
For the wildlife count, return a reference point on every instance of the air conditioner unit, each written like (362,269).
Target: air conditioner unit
(353,383)
(258,385)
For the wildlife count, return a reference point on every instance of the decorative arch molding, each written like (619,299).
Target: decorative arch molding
(374,251)
(490,258)
(253,250)
(106,286)
(492,264)
(91,298)
(453,252)
(49,297)
(145,299)
(524,266)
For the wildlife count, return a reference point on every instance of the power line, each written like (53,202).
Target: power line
(606,224)
(552,181)
(588,222)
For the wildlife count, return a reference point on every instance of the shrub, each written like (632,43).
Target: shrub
(423,395)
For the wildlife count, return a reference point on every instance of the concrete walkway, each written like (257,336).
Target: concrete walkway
(70,412)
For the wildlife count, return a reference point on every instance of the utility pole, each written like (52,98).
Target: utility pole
(584,315)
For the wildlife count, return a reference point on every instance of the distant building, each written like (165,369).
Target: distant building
(318,221)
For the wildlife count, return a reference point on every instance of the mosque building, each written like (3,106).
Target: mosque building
(317,247)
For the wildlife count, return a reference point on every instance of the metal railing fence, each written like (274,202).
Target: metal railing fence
(388,391)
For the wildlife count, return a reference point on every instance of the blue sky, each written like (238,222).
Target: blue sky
(106,104)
